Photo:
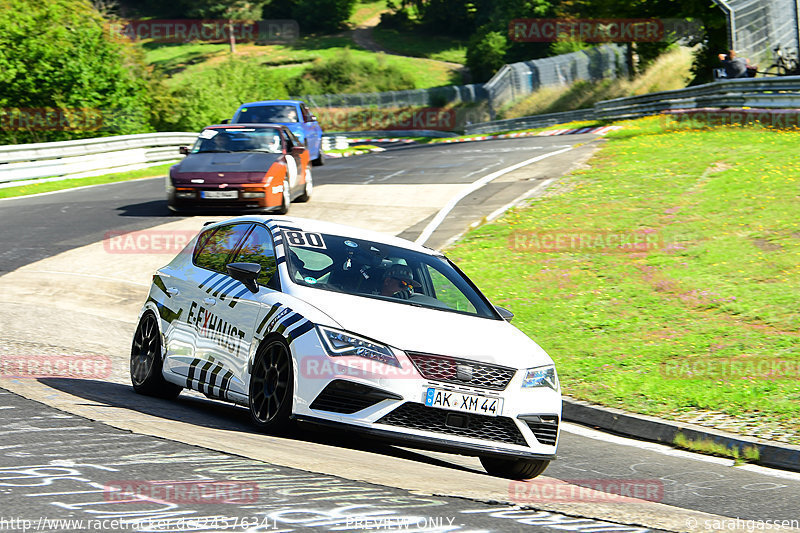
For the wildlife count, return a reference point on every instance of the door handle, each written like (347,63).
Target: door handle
(209,301)
(173,291)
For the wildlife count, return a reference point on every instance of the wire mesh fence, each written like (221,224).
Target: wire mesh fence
(517,80)
(758,26)
(511,82)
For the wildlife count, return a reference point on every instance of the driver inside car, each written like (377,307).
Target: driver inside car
(398,282)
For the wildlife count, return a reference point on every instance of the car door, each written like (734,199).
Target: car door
(313,131)
(211,335)
(293,163)
(243,307)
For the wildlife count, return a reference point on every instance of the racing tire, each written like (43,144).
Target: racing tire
(514,468)
(307,188)
(320,160)
(286,199)
(146,363)
(271,387)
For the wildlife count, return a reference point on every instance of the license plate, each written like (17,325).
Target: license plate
(469,403)
(220,195)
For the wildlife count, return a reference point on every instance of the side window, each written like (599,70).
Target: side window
(307,117)
(447,293)
(215,247)
(258,248)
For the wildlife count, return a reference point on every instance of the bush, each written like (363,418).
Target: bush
(345,74)
(58,55)
(214,95)
(486,54)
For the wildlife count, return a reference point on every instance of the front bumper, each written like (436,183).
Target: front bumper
(189,199)
(388,403)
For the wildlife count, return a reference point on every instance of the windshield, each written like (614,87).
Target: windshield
(238,140)
(281,113)
(381,271)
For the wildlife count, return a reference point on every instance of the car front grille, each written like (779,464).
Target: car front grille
(417,416)
(347,397)
(462,371)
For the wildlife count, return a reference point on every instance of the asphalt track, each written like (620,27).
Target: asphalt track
(39,227)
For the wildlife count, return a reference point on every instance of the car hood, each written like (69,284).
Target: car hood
(228,162)
(417,329)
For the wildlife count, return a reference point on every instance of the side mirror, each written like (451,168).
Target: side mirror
(225,121)
(247,273)
(505,313)
(184,150)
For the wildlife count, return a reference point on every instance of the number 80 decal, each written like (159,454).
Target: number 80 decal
(305,239)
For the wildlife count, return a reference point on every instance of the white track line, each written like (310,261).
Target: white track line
(442,214)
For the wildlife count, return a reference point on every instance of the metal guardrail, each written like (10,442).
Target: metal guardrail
(776,93)
(89,157)
(535,121)
(768,93)
(24,163)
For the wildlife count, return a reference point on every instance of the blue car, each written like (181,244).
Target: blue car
(294,114)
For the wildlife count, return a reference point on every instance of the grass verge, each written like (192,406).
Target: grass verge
(421,45)
(50,186)
(710,447)
(704,317)
(184,61)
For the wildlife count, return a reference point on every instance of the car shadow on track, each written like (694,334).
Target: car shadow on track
(153,208)
(193,409)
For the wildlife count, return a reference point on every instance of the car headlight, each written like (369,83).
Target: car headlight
(543,376)
(338,343)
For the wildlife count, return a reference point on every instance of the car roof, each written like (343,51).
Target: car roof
(320,226)
(247,125)
(272,102)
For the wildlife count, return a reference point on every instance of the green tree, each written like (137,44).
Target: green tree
(322,15)
(58,55)
(229,10)
(486,54)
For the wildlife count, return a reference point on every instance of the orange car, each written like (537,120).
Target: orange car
(241,167)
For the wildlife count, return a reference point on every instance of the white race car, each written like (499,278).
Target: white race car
(304,320)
